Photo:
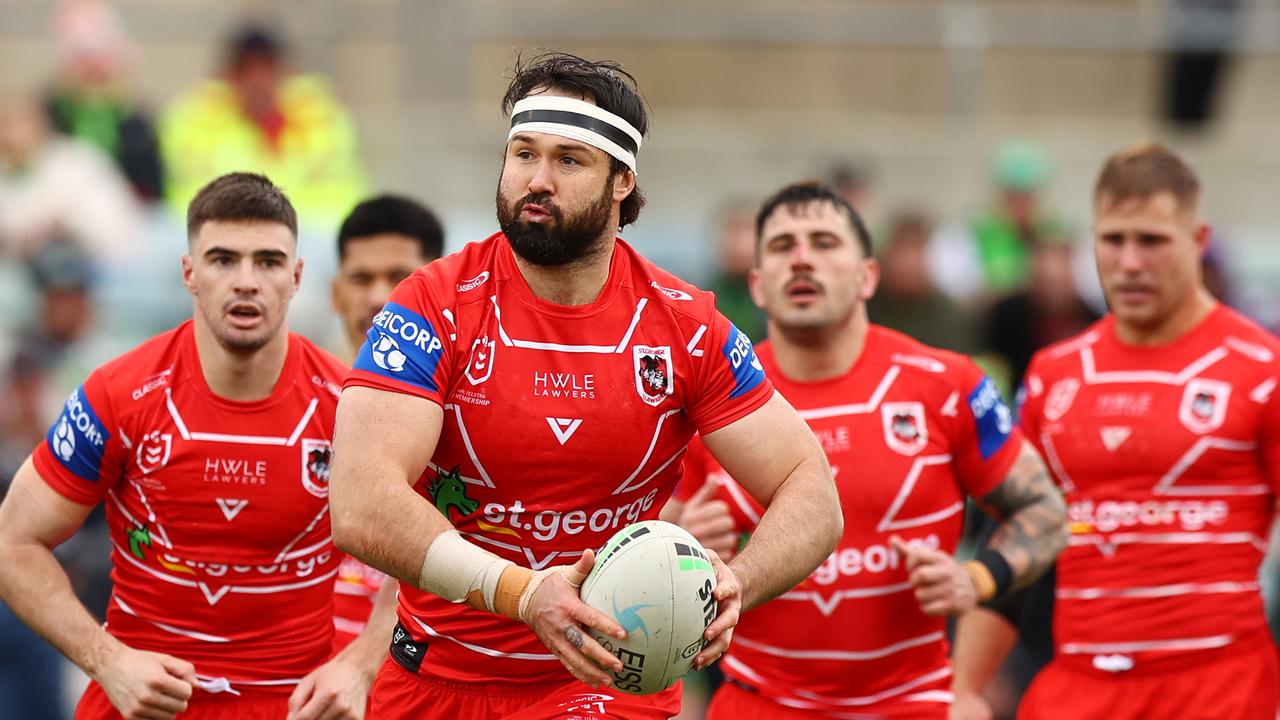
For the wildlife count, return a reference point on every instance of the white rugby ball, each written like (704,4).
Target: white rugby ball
(657,582)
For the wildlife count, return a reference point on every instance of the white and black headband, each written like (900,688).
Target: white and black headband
(577,120)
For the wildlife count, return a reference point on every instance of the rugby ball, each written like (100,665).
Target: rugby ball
(657,582)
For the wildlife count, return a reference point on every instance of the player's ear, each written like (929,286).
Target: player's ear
(297,277)
(1202,234)
(333,295)
(188,274)
(868,279)
(623,183)
(753,285)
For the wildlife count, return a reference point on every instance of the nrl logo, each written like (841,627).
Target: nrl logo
(317,455)
(153,451)
(905,431)
(653,373)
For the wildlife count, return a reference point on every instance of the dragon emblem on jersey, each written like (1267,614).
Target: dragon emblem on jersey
(138,536)
(317,456)
(653,373)
(449,491)
(905,431)
(1204,405)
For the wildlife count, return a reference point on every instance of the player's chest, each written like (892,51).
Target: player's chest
(886,451)
(208,470)
(1100,431)
(569,385)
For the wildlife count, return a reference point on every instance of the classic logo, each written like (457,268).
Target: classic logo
(317,455)
(480,366)
(654,381)
(1204,405)
(474,282)
(1061,395)
(669,292)
(449,491)
(153,451)
(905,430)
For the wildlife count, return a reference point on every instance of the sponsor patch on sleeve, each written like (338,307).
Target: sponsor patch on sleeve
(991,416)
(747,371)
(77,438)
(401,345)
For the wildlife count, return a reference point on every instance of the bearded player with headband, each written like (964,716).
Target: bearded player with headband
(550,378)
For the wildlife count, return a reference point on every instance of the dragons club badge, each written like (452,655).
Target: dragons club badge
(1204,405)
(317,455)
(654,379)
(905,431)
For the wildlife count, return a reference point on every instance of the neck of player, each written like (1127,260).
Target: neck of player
(237,375)
(1169,328)
(578,282)
(820,353)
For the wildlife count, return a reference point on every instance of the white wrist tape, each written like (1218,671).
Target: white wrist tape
(454,568)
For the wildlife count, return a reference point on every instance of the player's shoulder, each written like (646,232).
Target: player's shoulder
(147,367)
(1063,357)
(664,289)
(318,366)
(461,277)
(1245,337)
(920,362)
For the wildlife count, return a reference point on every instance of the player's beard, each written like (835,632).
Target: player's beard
(559,240)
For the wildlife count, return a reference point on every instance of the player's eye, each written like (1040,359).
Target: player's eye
(825,241)
(1113,238)
(569,160)
(779,245)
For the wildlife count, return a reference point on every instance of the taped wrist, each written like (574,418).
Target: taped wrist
(458,571)
(992,575)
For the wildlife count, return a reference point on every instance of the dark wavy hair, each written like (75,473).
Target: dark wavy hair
(603,82)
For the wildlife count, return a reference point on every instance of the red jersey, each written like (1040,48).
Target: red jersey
(218,510)
(354,593)
(909,432)
(562,424)
(1169,459)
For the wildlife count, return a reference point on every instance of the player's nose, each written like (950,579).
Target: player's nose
(541,181)
(246,278)
(801,257)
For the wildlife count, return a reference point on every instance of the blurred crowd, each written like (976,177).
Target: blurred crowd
(91,179)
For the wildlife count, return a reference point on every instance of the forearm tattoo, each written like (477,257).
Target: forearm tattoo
(574,635)
(1033,518)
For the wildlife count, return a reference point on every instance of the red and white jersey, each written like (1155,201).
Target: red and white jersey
(218,510)
(562,425)
(909,432)
(354,593)
(1169,459)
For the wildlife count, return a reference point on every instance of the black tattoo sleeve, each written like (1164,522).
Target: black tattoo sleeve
(1032,515)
